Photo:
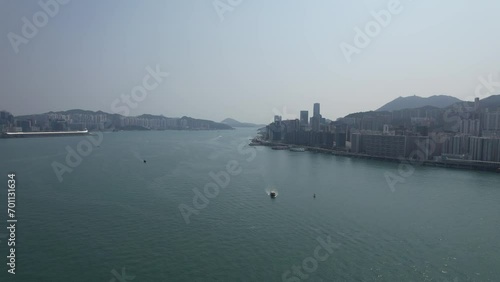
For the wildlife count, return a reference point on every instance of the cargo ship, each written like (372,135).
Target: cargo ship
(44,134)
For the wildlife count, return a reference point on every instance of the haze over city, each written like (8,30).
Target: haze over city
(250,62)
(249,140)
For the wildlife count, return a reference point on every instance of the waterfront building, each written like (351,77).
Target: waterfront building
(316,123)
(292,125)
(274,131)
(491,125)
(386,129)
(316,112)
(391,146)
(470,126)
(484,149)
(356,143)
(340,136)
(304,118)
(4,115)
(456,145)
(418,147)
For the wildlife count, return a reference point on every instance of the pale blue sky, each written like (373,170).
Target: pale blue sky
(264,55)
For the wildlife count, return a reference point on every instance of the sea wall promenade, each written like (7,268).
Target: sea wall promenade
(447,163)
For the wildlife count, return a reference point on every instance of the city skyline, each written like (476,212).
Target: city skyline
(238,140)
(295,114)
(243,63)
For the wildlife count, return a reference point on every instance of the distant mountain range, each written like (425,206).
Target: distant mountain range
(492,103)
(234,123)
(114,119)
(412,102)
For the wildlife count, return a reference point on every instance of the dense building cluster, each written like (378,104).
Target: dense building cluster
(80,120)
(460,132)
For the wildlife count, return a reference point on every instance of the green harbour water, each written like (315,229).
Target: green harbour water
(114,212)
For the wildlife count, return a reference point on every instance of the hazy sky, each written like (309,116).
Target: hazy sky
(262,58)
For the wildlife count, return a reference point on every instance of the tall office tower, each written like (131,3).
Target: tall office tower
(316,110)
(315,123)
(476,104)
(304,118)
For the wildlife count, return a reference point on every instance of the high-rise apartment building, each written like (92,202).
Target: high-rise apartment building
(304,118)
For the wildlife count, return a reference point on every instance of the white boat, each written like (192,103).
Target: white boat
(45,133)
(297,149)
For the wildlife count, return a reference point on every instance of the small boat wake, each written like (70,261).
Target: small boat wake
(273,193)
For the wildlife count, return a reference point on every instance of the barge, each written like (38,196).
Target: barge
(44,134)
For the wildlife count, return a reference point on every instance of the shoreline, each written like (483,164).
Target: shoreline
(456,164)
(9,135)
(12,135)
